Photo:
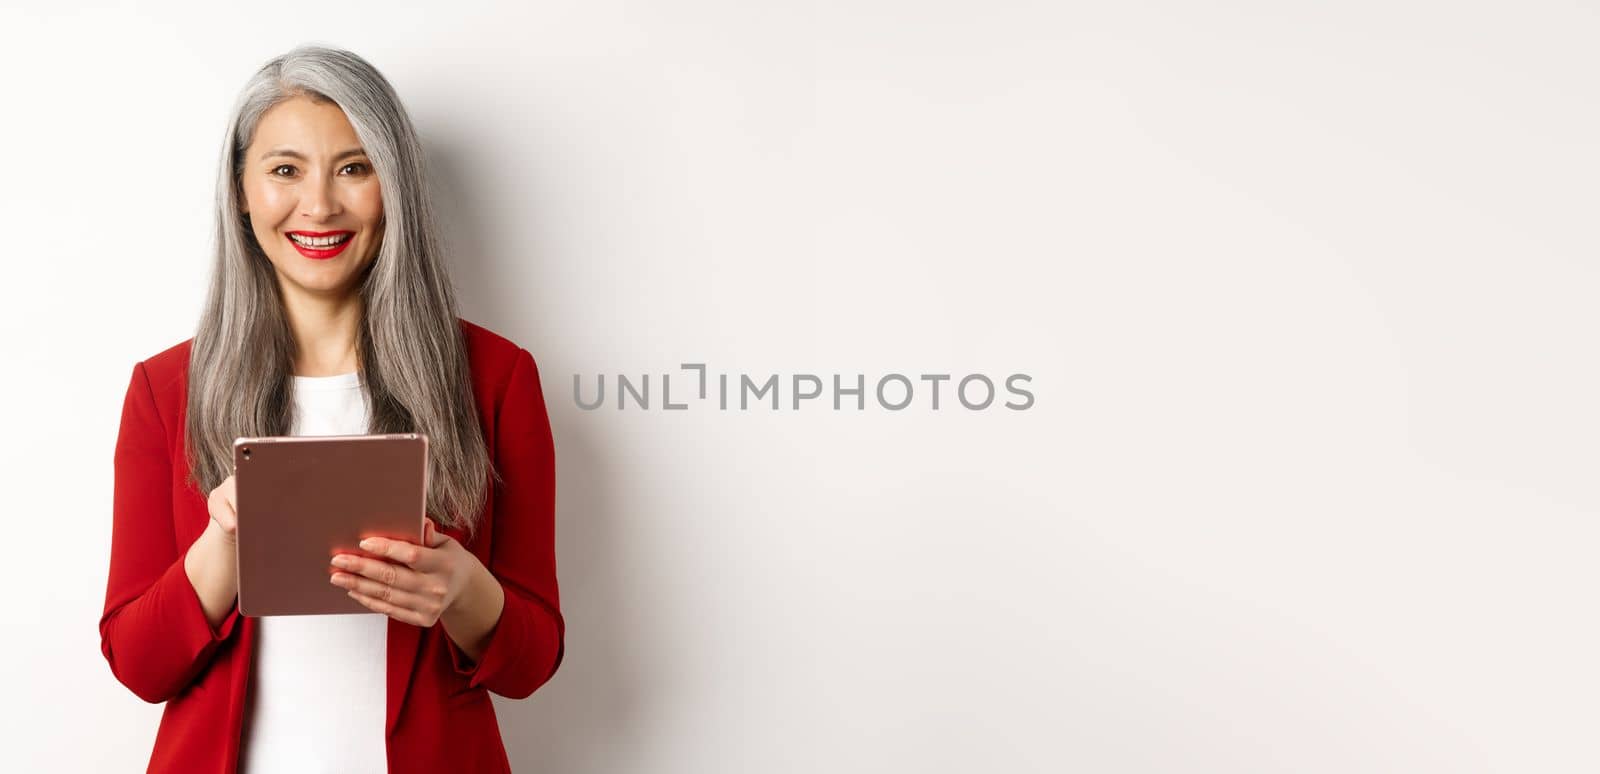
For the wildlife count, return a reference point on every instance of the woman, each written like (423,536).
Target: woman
(330,313)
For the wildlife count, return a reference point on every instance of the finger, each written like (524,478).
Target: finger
(398,613)
(387,573)
(382,593)
(223,513)
(432,537)
(408,554)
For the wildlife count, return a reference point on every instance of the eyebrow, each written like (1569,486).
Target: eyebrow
(294,154)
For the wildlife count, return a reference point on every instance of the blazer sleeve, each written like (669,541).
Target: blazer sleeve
(153,631)
(528,643)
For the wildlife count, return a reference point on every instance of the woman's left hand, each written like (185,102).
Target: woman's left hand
(417,586)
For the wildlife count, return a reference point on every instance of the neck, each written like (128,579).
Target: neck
(324,333)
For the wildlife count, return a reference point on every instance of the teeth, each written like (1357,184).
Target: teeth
(319,241)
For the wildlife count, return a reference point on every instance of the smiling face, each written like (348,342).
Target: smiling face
(313,198)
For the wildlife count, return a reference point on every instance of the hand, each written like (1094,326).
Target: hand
(211,562)
(418,586)
(223,511)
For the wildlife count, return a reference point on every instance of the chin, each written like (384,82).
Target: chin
(319,284)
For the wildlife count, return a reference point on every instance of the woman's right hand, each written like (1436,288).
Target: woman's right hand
(211,563)
(223,512)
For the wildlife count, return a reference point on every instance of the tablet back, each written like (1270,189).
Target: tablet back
(302,499)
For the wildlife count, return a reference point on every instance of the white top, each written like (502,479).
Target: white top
(317,686)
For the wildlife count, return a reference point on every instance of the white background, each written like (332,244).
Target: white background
(1307,292)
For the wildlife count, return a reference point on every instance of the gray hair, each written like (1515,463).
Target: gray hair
(410,344)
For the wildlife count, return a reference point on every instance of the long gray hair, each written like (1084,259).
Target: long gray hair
(410,345)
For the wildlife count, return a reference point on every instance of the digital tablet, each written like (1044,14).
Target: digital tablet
(302,499)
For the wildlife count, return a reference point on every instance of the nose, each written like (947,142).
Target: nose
(318,199)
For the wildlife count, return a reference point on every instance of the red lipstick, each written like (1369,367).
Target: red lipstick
(324,251)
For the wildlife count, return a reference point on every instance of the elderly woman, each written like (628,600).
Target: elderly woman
(330,313)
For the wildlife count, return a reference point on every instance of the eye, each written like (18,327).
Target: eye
(281,166)
(362,167)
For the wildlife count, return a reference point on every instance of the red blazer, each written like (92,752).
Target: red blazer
(439,715)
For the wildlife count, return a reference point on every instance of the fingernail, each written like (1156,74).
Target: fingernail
(369,543)
(340,561)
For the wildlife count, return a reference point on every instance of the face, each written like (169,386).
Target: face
(313,198)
